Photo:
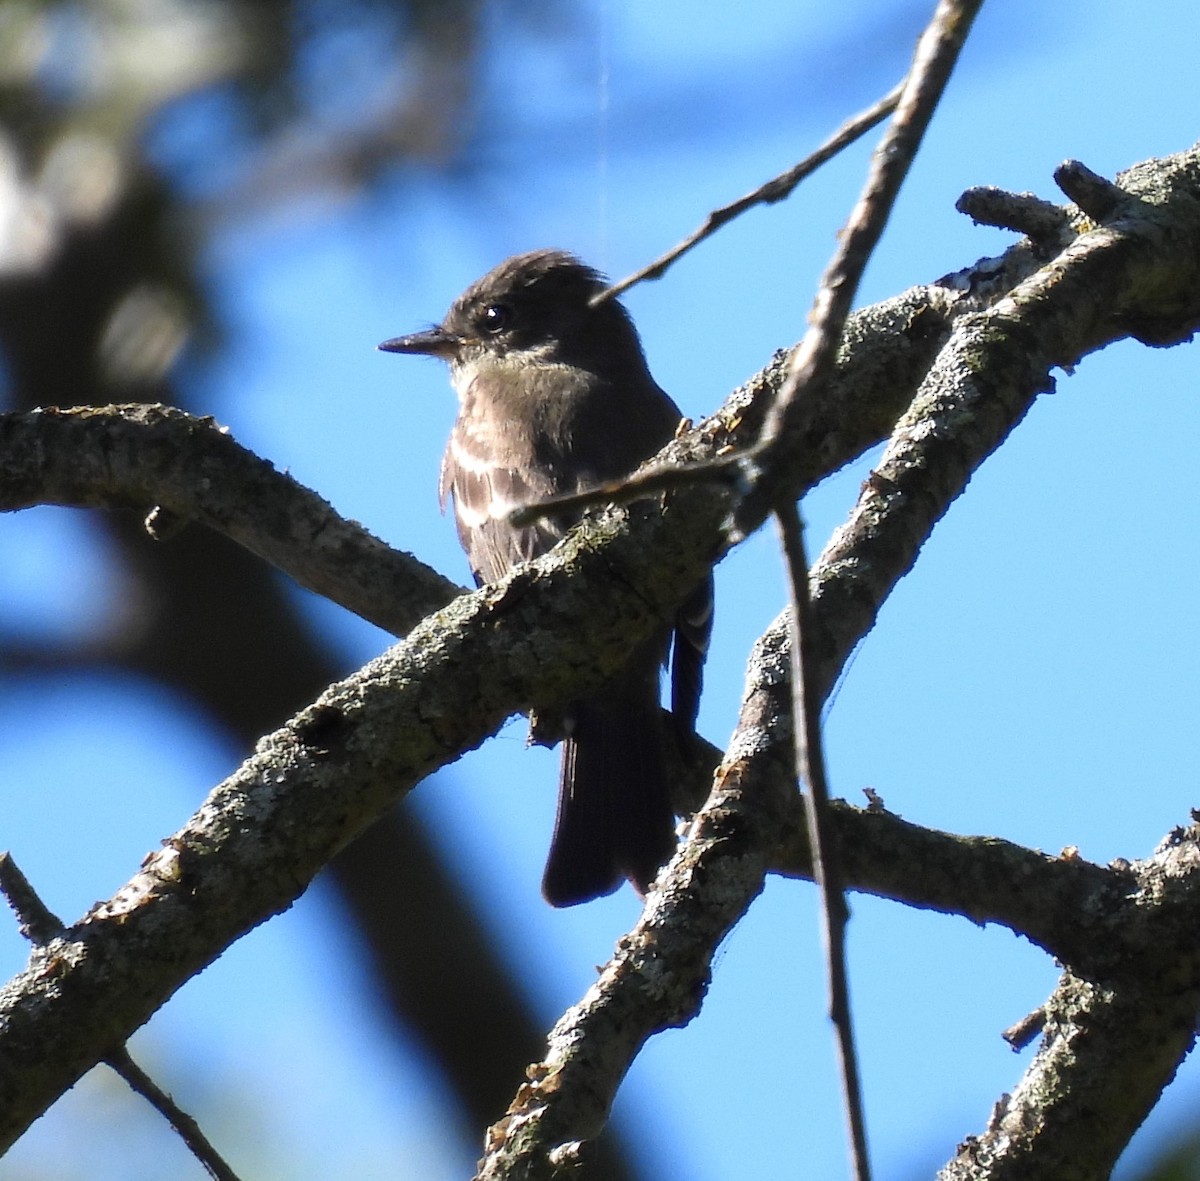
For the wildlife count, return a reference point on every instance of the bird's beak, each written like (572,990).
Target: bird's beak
(433,342)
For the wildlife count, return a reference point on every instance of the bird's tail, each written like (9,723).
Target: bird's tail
(614,814)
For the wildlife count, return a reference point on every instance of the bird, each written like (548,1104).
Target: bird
(555,396)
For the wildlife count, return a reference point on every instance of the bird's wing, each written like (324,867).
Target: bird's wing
(484,491)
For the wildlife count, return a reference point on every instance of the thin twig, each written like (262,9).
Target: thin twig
(659,477)
(776,189)
(764,463)
(40,925)
(810,366)
(812,361)
(185,1126)
(826,868)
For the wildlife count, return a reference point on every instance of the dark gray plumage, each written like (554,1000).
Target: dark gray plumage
(555,396)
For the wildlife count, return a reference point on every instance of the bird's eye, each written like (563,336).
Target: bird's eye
(496,318)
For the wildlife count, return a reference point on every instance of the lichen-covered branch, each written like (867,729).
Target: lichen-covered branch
(258,840)
(142,457)
(996,361)
(1112,1038)
(310,787)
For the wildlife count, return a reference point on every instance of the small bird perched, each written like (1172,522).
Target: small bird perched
(555,397)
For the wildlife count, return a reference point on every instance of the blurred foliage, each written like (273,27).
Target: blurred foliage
(131,130)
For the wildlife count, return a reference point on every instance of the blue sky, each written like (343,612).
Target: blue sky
(1035,677)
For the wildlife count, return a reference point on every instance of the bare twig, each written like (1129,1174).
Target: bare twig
(826,865)
(185,1126)
(1026,213)
(658,477)
(40,925)
(810,366)
(1021,1033)
(811,363)
(1096,195)
(776,189)
(764,464)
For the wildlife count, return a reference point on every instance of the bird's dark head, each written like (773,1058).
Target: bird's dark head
(535,307)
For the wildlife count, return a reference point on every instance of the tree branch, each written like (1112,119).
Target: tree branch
(310,787)
(261,836)
(778,188)
(769,469)
(984,380)
(824,853)
(40,925)
(140,457)
(1111,1042)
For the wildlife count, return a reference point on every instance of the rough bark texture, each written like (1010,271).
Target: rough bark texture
(976,349)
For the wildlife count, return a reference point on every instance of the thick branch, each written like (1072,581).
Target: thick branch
(140,456)
(255,844)
(983,382)
(144,456)
(1110,1043)
(264,833)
